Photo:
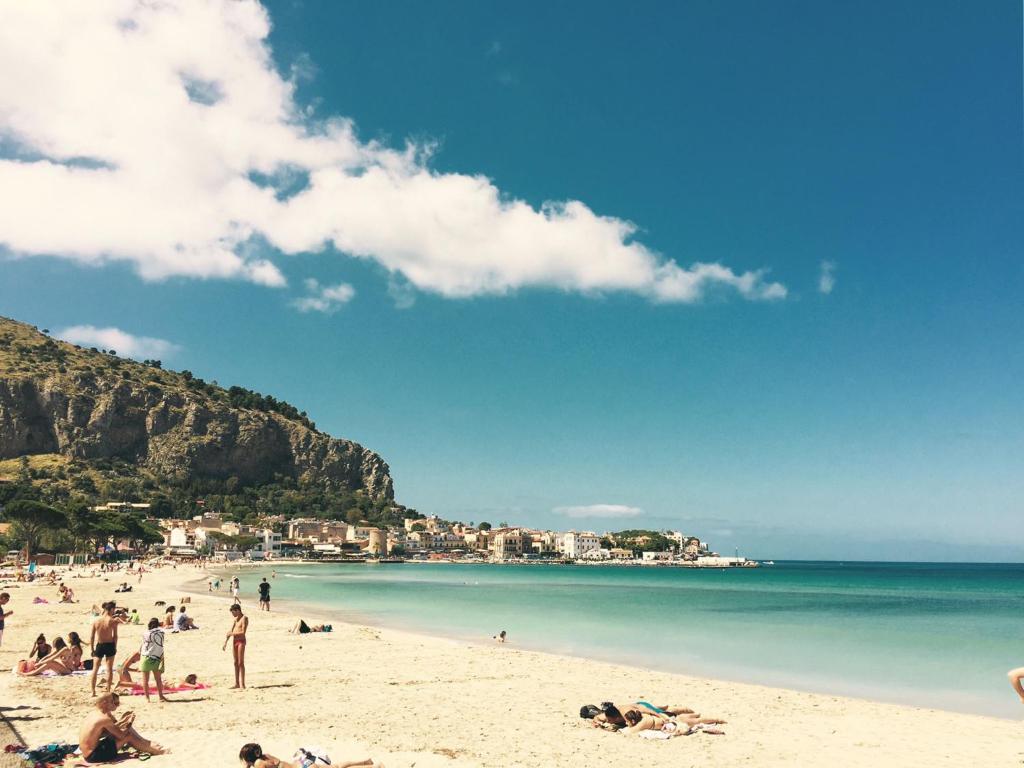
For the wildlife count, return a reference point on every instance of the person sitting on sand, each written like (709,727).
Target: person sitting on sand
(59,660)
(252,756)
(184,622)
(637,722)
(75,643)
(40,649)
(501,636)
(302,628)
(169,617)
(67,595)
(134,617)
(125,669)
(101,737)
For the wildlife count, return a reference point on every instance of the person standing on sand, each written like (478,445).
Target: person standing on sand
(104,643)
(237,638)
(152,658)
(101,736)
(264,595)
(5,597)
(235,584)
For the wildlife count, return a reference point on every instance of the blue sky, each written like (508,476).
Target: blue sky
(498,370)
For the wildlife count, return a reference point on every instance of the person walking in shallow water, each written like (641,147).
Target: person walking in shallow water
(264,595)
(237,638)
(1016,675)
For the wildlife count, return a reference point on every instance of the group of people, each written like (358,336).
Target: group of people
(61,658)
(104,734)
(663,721)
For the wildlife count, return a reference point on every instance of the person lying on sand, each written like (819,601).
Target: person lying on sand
(101,736)
(252,756)
(612,717)
(680,727)
(302,628)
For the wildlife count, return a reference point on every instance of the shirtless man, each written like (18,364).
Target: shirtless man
(101,736)
(104,643)
(237,638)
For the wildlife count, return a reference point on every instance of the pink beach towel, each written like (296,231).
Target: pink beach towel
(138,691)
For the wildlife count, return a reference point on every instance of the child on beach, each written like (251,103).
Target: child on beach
(237,637)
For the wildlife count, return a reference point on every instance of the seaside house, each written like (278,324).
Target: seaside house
(510,543)
(576,544)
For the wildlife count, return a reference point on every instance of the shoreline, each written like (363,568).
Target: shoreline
(817,686)
(407,698)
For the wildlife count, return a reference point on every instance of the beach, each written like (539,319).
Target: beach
(414,700)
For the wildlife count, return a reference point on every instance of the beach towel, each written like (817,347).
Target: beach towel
(40,601)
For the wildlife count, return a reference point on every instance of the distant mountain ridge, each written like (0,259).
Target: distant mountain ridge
(88,405)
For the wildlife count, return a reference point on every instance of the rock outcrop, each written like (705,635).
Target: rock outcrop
(59,398)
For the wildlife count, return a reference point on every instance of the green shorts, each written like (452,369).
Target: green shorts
(150,664)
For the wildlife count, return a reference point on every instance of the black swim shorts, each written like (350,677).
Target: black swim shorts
(106,749)
(104,650)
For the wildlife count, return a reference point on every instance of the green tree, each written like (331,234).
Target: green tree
(485,526)
(33,519)
(354,516)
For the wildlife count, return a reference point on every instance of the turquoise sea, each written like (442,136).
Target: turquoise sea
(936,635)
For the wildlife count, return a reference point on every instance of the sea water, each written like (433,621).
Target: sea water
(933,635)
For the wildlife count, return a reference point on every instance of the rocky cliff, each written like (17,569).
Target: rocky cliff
(88,404)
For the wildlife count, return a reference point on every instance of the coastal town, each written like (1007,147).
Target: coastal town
(431,539)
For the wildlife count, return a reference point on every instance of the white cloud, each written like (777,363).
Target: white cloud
(599,510)
(324,298)
(827,277)
(162,134)
(122,342)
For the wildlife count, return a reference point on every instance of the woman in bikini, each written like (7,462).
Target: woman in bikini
(125,669)
(75,659)
(237,638)
(682,726)
(253,756)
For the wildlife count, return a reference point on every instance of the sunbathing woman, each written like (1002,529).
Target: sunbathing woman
(169,617)
(612,717)
(680,727)
(252,756)
(59,661)
(302,628)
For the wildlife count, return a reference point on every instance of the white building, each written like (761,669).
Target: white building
(576,544)
(270,544)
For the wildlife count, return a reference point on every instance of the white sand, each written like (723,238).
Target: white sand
(411,700)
